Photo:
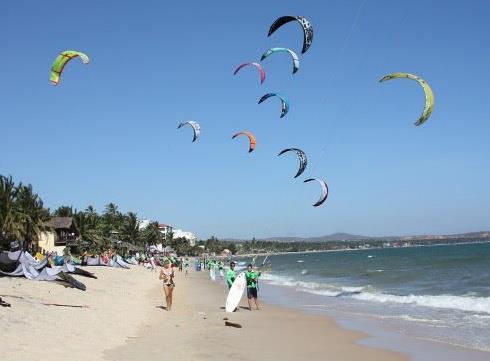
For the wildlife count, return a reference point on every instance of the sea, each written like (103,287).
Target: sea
(419,296)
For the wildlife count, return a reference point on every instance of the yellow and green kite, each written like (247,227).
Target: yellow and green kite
(60,62)
(429,95)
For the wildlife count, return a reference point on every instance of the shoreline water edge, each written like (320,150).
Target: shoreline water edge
(431,303)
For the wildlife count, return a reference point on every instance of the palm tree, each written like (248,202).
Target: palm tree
(64,211)
(10,225)
(111,220)
(130,229)
(22,213)
(87,226)
(34,215)
(152,235)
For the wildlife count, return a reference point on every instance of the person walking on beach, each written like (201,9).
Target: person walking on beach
(167,275)
(186,266)
(152,263)
(230,275)
(252,281)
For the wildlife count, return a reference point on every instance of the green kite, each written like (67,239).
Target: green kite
(429,95)
(60,62)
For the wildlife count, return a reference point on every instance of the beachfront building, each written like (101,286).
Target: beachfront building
(191,237)
(63,231)
(143,223)
(165,229)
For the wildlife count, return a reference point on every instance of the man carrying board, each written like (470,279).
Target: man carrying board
(230,275)
(252,280)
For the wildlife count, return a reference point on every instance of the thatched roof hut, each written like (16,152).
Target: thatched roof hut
(63,224)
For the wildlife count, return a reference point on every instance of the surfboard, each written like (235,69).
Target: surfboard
(212,273)
(236,292)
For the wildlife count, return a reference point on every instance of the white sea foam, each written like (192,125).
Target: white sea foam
(466,303)
(462,303)
(311,287)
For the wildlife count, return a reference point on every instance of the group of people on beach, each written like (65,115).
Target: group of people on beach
(252,278)
(167,275)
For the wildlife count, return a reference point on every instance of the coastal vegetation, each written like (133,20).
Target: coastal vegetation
(23,217)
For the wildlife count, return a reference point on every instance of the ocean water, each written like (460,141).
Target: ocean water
(437,293)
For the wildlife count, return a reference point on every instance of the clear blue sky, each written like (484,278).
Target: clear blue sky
(108,133)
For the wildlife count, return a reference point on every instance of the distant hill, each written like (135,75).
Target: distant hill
(346,237)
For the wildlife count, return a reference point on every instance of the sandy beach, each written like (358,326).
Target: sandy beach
(122,318)
(113,307)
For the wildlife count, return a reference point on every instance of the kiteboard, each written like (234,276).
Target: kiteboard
(236,292)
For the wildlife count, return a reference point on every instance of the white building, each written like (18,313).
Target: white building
(143,223)
(165,229)
(191,237)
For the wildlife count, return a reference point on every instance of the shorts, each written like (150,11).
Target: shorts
(251,292)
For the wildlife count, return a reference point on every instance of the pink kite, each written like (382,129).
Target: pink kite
(257,65)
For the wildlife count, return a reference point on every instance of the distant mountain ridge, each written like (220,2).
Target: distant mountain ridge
(346,237)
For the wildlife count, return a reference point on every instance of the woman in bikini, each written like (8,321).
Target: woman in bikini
(167,275)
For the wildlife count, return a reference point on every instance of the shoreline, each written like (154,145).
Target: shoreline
(124,320)
(195,330)
(378,332)
(248,255)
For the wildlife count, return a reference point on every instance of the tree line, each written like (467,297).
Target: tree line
(23,217)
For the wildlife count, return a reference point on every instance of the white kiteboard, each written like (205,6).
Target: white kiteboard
(236,292)
(212,273)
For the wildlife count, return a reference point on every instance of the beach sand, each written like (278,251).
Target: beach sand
(195,330)
(125,320)
(116,305)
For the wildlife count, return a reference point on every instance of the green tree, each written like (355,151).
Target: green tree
(34,215)
(152,235)
(22,213)
(64,211)
(181,246)
(112,220)
(130,229)
(10,218)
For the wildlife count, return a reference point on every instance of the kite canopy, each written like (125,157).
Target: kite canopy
(429,95)
(251,139)
(305,24)
(61,61)
(257,65)
(284,102)
(195,127)
(276,50)
(302,159)
(324,186)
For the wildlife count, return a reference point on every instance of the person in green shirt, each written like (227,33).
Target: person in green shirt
(230,275)
(252,280)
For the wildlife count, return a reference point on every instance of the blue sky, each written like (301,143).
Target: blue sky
(108,131)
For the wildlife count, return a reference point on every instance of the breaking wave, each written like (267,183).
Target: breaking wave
(466,303)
